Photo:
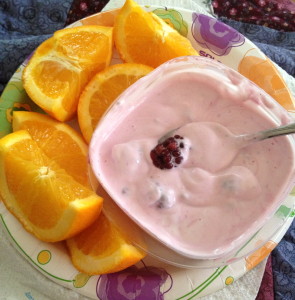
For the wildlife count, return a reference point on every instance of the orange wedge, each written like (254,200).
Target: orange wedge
(104,247)
(143,37)
(59,141)
(87,47)
(102,90)
(47,201)
(61,67)
(111,253)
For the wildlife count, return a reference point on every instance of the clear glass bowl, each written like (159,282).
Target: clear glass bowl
(149,241)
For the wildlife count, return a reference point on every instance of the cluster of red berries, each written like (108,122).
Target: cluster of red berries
(167,154)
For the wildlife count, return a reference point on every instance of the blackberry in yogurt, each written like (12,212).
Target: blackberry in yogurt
(168,154)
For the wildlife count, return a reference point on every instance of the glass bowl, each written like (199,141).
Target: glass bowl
(270,218)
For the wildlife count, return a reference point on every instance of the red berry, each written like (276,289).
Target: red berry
(167,154)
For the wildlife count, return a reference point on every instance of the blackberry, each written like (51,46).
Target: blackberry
(167,154)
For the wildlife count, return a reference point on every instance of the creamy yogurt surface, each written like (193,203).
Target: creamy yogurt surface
(218,195)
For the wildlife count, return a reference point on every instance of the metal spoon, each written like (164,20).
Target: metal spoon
(249,138)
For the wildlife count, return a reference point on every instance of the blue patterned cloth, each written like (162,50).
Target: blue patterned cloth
(283,264)
(24,24)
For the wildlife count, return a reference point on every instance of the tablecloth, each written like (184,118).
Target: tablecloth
(24,24)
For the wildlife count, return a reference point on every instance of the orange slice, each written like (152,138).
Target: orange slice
(46,200)
(103,247)
(62,65)
(102,90)
(111,253)
(59,141)
(87,47)
(143,37)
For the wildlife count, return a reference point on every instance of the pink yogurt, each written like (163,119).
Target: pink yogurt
(213,201)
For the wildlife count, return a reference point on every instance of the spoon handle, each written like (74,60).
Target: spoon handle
(282,130)
(269,133)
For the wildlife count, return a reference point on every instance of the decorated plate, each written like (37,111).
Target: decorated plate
(152,279)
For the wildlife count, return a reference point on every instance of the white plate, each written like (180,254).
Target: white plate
(154,277)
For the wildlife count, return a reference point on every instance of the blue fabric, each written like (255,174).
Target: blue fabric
(24,24)
(279,46)
(283,264)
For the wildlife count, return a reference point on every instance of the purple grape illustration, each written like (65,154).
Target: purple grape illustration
(133,284)
(215,35)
